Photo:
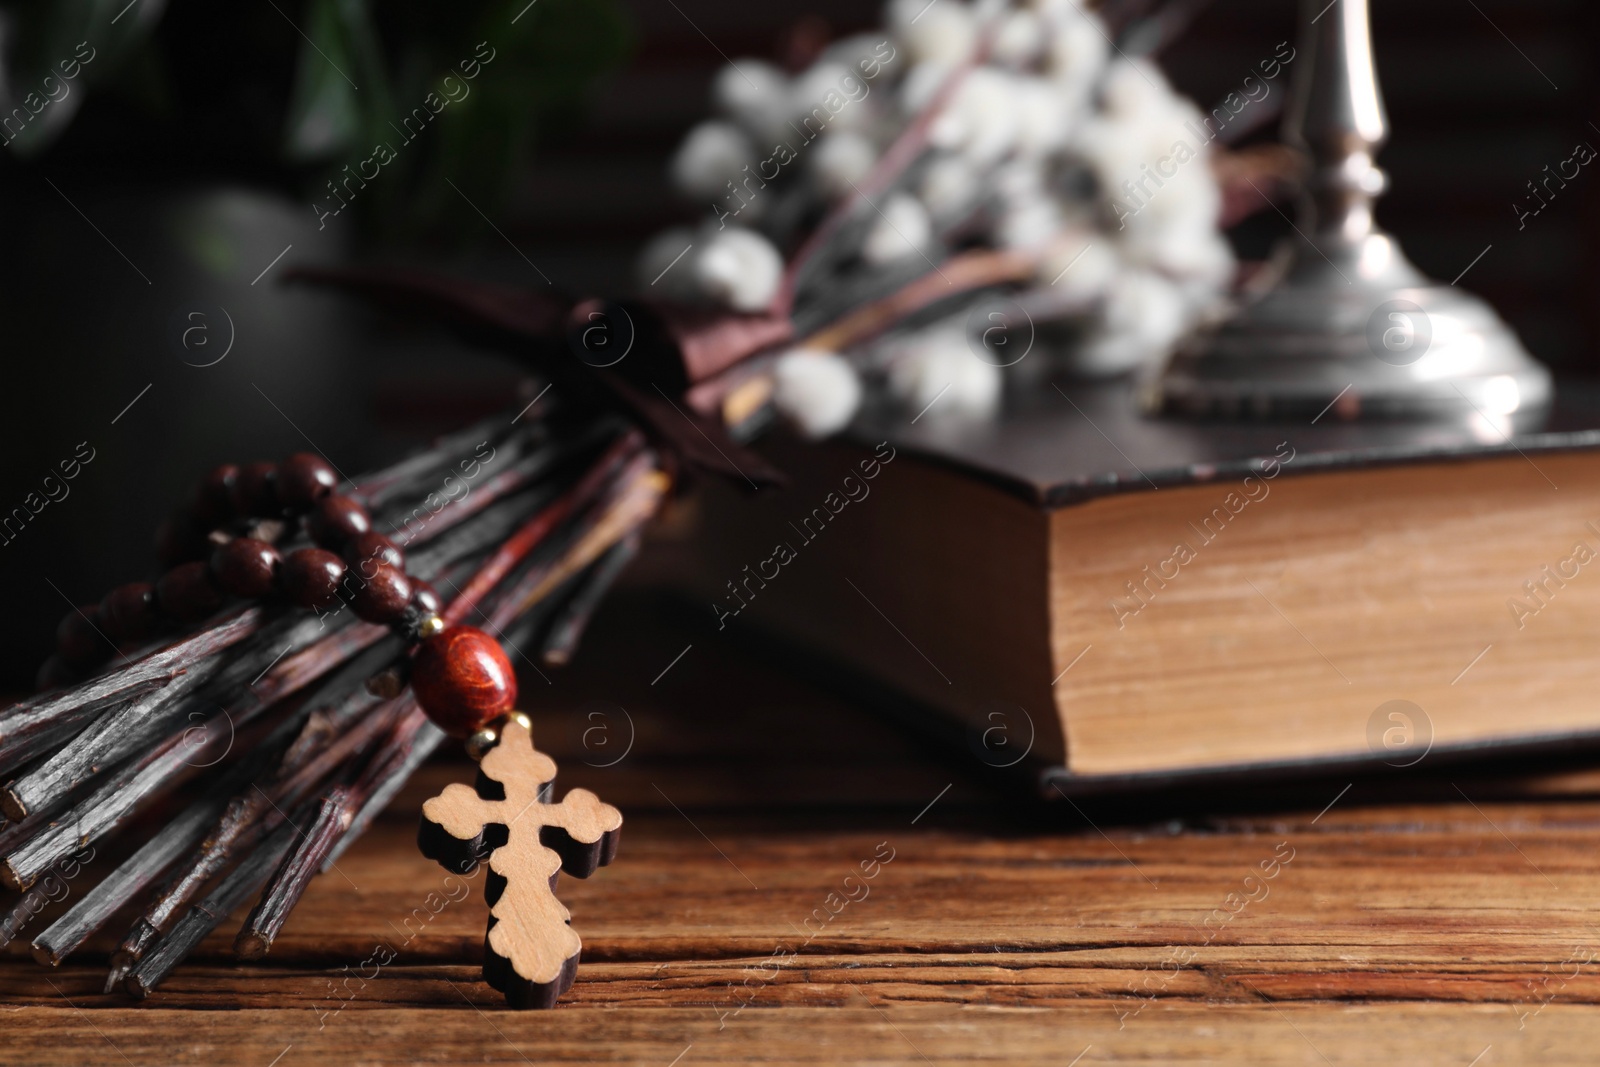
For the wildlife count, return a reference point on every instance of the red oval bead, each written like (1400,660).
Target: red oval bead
(463,680)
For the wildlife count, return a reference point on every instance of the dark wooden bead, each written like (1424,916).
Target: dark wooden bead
(188,592)
(255,491)
(79,637)
(54,673)
(246,567)
(303,479)
(384,596)
(310,577)
(463,680)
(128,613)
(171,537)
(365,551)
(425,598)
(335,520)
(213,503)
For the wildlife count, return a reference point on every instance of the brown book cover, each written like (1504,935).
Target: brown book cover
(1101,598)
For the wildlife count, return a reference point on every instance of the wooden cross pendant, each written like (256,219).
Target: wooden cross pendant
(530,950)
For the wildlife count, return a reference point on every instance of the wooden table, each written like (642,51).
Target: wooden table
(1447,921)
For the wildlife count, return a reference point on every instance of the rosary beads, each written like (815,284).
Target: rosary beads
(460,675)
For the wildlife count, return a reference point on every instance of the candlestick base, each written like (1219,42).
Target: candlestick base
(1354,325)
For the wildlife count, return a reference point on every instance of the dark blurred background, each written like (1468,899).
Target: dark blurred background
(184,184)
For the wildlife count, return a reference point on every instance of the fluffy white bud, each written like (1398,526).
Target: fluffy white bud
(711,156)
(938,365)
(1076,52)
(856,49)
(817,392)
(1144,315)
(1018,179)
(921,83)
(831,96)
(981,119)
(1135,89)
(737,268)
(1019,39)
(1027,221)
(840,159)
(755,94)
(1079,42)
(1042,116)
(903,229)
(1190,252)
(944,31)
(950,188)
(1080,269)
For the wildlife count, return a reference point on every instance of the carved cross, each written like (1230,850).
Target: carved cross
(530,950)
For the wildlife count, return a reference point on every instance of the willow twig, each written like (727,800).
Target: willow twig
(901,153)
(28,732)
(635,501)
(414,474)
(471,540)
(539,527)
(140,871)
(23,723)
(386,771)
(289,881)
(958,275)
(131,877)
(425,523)
(346,813)
(567,629)
(104,744)
(323,737)
(239,690)
(108,807)
(240,883)
(397,761)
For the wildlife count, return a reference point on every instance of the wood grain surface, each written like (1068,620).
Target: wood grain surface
(803,883)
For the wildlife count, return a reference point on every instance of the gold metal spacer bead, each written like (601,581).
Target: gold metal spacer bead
(430,626)
(479,744)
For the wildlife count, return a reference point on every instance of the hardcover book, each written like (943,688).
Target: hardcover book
(1104,598)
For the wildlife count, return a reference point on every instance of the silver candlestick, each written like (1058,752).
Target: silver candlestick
(1350,317)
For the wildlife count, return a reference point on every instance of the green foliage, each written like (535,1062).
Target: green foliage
(327,115)
(429,95)
(461,104)
(47,36)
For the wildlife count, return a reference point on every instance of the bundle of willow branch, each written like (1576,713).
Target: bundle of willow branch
(292,729)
